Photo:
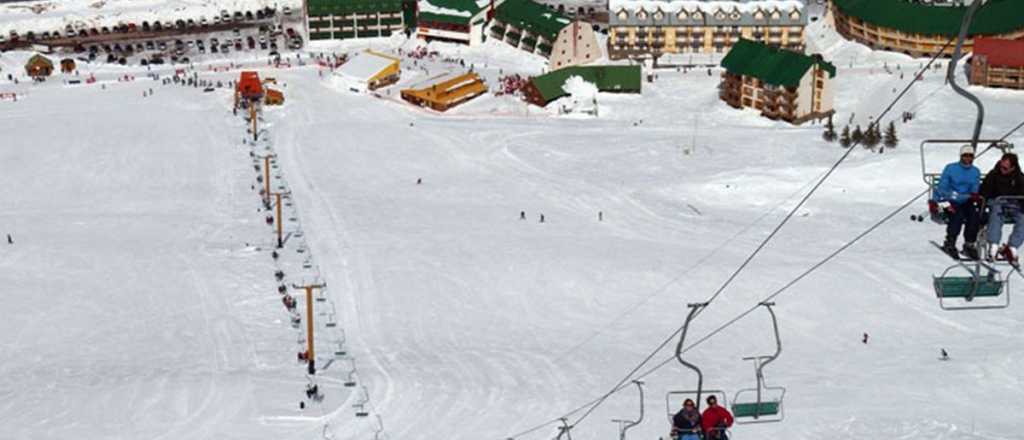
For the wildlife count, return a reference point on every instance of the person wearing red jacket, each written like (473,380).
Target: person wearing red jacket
(715,420)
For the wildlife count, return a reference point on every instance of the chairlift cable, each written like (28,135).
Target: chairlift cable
(778,292)
(621,384)
(775,230)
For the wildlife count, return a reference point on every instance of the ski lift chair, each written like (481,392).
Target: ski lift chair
(937,213)
(762,404)
(674,399)
(959,291)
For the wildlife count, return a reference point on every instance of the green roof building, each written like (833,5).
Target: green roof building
(918,29)
(538,29)
(781,83)
(344,19)
(543,89)
(460,21)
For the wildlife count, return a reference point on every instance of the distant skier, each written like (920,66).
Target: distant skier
(522,215)
(419,180)
(9,239)
(944,355)
(600,216)
(686,423)
(865,340)
(542,218)
(715,420)
(959,186)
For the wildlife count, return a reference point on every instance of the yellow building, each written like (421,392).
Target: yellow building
(446,92)
(369,70)
(651,28)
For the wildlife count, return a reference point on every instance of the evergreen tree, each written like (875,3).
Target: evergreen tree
(857,136)
(890,136)
(872,137)
(830,131)
(844,139)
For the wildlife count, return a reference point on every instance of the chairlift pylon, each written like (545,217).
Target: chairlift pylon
(626,425)
(762,409)
(679,396)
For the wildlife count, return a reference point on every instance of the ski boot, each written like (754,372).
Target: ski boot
(949,247)
(971,251)
(1010,255)
(993,253)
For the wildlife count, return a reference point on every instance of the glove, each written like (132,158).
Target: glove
(975,198)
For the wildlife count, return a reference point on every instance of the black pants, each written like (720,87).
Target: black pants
(963,214)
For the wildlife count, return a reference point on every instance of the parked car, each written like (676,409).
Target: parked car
(251,42)
(150,45)
(287,10)
(203,22)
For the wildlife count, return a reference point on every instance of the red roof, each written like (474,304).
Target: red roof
(1000,52)
(249,85)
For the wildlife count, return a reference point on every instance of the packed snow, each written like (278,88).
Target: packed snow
(141,302)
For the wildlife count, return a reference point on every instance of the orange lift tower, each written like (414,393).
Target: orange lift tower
(280,219)
(266,180)
(310,355)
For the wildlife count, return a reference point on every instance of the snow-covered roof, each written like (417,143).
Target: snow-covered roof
(428,7)
(705,6)
(365,66)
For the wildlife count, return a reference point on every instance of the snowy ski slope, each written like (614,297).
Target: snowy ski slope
(136,310)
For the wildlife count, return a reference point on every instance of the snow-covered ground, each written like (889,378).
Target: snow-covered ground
(136,308)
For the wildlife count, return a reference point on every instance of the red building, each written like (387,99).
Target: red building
(998,62)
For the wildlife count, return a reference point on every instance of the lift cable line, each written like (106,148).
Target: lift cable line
(874,124)
(775,294)
(593,405)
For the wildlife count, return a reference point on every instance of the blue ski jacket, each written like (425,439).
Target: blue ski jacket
(957,183)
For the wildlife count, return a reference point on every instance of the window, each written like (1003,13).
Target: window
(641,14)
(776,14)
(795,15)
(658,15)
(735,16)
(720,15)
(759,15)
(682,15)
(623,15)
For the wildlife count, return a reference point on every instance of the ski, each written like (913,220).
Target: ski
(965,261)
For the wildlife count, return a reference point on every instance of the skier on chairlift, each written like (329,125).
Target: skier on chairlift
(958,187)
(715,420)
(686,423)
(1005,179)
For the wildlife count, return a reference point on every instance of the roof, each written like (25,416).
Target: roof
(1001,52)
(449,11)
(993,18)
(532,17)
(771,65)
(341,7)
(706,13)
(37,58)
(606,78)
(249,84)
(365,65)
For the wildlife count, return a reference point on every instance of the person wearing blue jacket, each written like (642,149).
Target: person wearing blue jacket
(959,186)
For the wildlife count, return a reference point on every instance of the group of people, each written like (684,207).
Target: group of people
(967,199)
(690,424)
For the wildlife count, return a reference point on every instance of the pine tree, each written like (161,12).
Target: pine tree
(872,137)
(857,136)
(844,139)
(830,131)
(890,136)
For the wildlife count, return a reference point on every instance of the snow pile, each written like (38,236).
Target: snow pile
(582,96)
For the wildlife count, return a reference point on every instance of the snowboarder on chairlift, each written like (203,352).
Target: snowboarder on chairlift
(715,420)
(958,187)
(686,423)
(1005,179)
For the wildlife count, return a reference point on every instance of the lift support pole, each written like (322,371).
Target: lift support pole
(266,179)
(310,355)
